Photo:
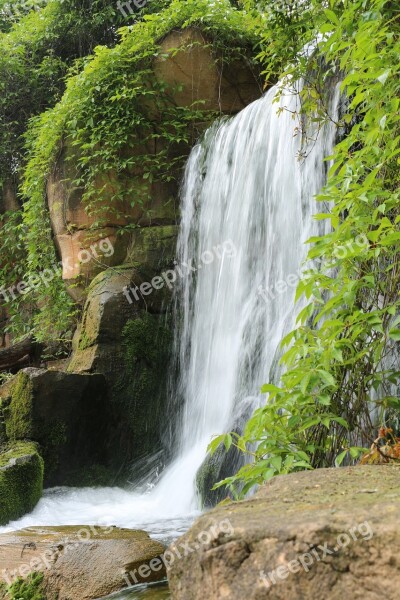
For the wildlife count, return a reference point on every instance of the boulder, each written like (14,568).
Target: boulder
(21,480)
(329,533)
(216,467)
(80,563)
(222,464)
(67,414)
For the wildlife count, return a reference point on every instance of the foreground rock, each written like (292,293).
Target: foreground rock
(21,480)
(330,533)
(79,563)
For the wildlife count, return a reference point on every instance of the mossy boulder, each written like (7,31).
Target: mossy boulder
(21,480)
(220,465)
(216,467)
(67,414)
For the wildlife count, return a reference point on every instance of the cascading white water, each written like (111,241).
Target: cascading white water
(247,207)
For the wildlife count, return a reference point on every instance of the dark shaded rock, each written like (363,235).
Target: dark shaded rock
(21,480)
(67,414)
(79,563)
(215,468)
(222,464)
(329,533)
(128,340)
(17,356)
(8,197)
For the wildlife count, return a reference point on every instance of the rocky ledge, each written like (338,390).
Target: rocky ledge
(77,563)
(329,533)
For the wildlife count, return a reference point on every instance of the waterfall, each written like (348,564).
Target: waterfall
(247,210)
(247,206)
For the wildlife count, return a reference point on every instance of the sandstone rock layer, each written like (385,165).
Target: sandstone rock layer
(79,563)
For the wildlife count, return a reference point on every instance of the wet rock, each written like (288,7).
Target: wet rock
(128,340)
(80,563)
(21,480)
(329,533)
(216,467)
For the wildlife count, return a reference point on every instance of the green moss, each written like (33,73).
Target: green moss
(84,341)
(89,476)
(142,390)
(20,424)
(30,588)
(146,340)
(19,413)
(153,246)
(21,480)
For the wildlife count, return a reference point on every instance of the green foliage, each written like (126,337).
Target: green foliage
(115,112)
(38,47)
(36,54)
(341,359)
(119,119)
(30,588)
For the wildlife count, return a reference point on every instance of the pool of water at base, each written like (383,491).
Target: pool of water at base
(156,591)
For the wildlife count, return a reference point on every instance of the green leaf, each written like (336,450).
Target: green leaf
(394,334)
(270,388)
(340,458)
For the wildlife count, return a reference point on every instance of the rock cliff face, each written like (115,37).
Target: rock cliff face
(187,66)
(126,336)
(330,533)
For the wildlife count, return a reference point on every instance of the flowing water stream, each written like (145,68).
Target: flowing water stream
(247,206)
